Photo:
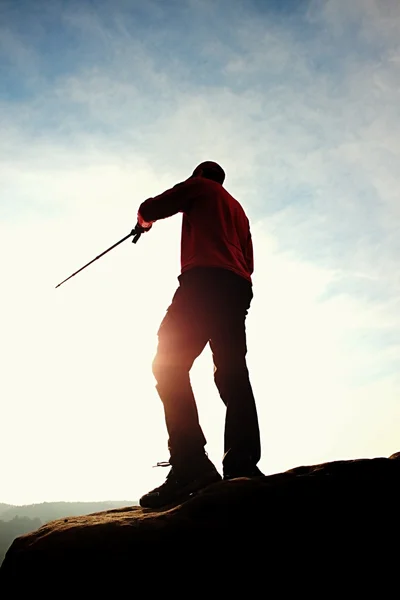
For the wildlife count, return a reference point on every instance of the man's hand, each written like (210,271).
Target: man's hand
(142,224)
(140,229)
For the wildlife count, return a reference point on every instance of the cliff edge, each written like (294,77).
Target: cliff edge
(342,510)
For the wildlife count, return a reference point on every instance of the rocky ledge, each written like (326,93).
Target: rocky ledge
(344,511)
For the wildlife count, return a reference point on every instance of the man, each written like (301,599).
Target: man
(209,306)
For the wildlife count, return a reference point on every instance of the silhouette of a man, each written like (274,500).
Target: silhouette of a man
(209,306)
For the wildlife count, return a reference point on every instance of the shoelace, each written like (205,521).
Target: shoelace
(164,463)
(171,475)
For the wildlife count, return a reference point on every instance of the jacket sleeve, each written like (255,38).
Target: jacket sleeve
(170,202)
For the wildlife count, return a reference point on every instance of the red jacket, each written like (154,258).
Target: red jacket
(215,228)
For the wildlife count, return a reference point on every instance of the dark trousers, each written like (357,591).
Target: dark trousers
(209,306)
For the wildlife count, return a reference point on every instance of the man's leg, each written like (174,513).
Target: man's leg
(181,339)
(228,344)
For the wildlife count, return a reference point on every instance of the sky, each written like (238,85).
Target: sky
(104,104)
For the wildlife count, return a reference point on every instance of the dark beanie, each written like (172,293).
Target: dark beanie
(211,170)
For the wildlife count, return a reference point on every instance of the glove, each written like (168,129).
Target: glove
(140,229)
(142,226)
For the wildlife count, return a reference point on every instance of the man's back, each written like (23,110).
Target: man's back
(215,230)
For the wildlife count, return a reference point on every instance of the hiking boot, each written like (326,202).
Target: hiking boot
(181,484)
(243,472)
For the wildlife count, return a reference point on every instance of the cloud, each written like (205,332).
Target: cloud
(309,121)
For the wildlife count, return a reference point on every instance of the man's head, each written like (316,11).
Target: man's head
(210,170)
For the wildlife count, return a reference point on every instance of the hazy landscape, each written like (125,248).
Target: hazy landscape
(17,520)
(106,104)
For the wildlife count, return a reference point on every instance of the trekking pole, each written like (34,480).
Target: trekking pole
(137,232)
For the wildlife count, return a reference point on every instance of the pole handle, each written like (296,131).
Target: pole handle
(136,236)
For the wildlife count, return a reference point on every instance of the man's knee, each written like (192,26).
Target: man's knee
(167,366)
(158,367)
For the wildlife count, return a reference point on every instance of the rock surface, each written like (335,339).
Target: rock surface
(343,511)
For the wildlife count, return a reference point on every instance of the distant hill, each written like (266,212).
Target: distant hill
(49,511)
(18,520)
(4,507)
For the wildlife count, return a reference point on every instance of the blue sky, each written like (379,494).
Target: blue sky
(104,104)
